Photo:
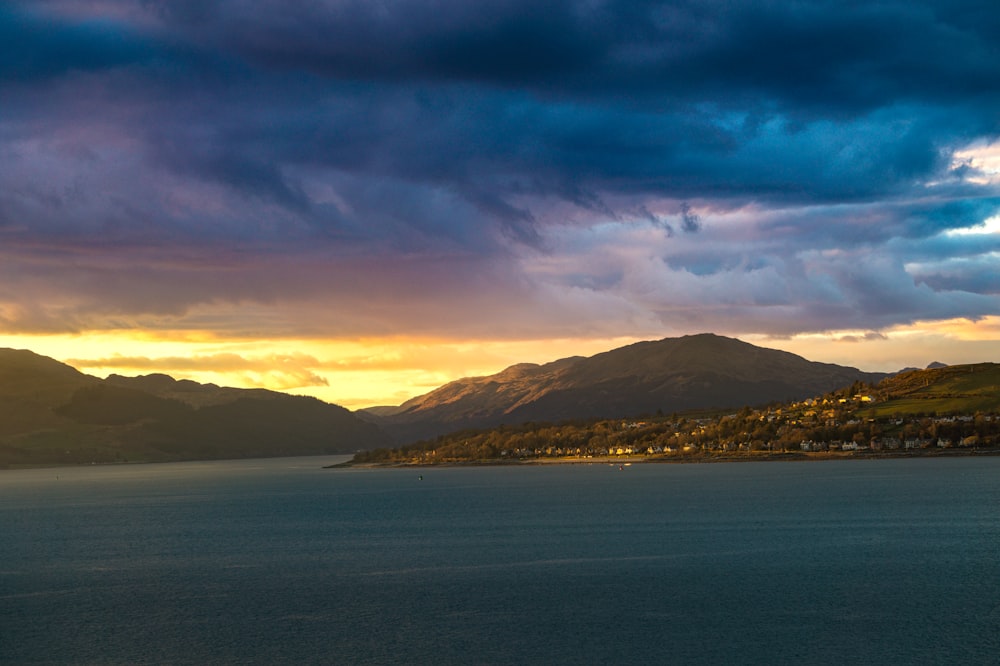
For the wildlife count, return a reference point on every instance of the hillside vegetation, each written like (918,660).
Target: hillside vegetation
(953,389)
(959,411)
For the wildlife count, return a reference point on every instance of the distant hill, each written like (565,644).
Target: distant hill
(673,374)
(930,366)
(51,413)
(189,392)
(30,387)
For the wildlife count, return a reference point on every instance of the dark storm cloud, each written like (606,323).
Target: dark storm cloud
(496,41)
(837,56)
(563,99)
(574,99)
(481,129)
(34,48)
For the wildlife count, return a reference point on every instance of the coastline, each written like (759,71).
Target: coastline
(788,456)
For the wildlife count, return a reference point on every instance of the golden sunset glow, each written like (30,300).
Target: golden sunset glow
(351,373)
(953,341)
(388,371)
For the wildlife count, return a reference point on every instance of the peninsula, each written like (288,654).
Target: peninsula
(940,411)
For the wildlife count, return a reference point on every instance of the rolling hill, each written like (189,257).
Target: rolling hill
(673,374)
(939,389)
(52,414)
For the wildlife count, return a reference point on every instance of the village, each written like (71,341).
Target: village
(834,425)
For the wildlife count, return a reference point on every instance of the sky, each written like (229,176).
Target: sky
(362,200)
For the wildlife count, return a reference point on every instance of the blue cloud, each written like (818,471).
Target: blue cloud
(484,129)
(34,48)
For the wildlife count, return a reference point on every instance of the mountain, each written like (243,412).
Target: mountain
(674,374)
(30,387)
(51,413)
(949,410)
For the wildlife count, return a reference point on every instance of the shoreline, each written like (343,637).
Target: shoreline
(789,456)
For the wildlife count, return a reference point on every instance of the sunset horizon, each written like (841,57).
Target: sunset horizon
(369,373)
(362,203)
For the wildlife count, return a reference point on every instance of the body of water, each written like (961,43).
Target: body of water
(281,561)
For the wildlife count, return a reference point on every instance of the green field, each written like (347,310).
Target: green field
(965,389)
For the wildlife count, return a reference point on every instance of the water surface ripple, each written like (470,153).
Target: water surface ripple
(281,561)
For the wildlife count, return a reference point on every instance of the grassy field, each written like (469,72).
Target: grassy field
(963,389)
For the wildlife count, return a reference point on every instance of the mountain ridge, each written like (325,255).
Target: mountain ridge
(52,410)
(50,413)
(672,374)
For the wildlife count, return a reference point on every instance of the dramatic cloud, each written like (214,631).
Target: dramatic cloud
(502,168)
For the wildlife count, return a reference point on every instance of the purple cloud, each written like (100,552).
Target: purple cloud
(500,166)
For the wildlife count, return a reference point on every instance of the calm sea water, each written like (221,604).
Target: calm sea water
(281,561)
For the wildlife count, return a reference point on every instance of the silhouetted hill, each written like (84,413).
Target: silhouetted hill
(31,386)
(52,414)
(187,391)
(674,374)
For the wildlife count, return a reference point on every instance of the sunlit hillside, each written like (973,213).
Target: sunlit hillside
(953,389)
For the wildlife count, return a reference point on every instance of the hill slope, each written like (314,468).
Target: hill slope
(939,389)
(673,374)
(934,412)
(30,387)
(52,414)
